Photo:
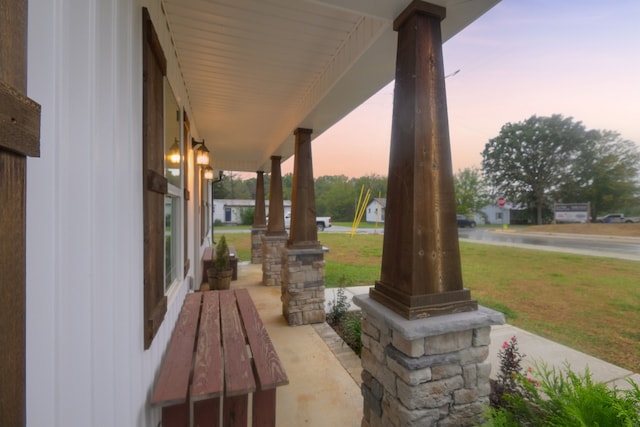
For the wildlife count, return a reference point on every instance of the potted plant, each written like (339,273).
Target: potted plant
(220,274)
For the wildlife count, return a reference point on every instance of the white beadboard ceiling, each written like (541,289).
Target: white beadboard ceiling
(255,70)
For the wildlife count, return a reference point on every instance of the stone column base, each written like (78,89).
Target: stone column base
(425,372)
(256,244)
(303,286)
(272,247)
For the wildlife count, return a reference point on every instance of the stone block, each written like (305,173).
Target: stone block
(369,328)
(465,396)
(410,377)
(412,348)
(482,336)
(469,375)
(464,415)
(400,416)
(372,393)
(474,355)
(440,372)
(430,395)
(483,371)
(447,343)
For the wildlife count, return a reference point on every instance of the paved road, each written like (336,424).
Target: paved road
(608,246)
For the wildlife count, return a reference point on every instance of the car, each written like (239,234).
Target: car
(463,221)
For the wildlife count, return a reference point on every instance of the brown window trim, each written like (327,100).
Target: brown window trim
(154,69)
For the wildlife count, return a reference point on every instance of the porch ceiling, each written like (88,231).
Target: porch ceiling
(257,69)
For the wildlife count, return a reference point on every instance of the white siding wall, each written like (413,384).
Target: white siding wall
(85,359)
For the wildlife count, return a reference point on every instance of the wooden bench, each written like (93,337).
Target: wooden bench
(218,354)
(210,254)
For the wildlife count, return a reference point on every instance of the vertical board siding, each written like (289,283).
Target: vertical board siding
(85,359)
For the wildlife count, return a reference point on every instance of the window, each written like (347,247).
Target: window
(173,155)
(155,183)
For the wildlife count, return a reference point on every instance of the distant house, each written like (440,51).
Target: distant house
(375,210)
(490,214)
(229,211)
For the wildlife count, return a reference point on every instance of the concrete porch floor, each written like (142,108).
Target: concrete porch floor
(321,391)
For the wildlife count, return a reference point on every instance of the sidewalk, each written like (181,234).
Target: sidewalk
(536,349)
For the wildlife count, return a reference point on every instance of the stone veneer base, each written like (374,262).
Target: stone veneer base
(424,372)
(303,285)
(256,244)
(272,246)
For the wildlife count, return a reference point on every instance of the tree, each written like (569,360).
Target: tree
(471,192)
(529,161)
(334,197)
(605,174)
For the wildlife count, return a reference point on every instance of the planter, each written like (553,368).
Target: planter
(219,280)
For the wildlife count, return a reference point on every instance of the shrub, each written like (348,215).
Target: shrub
(352,329)
(338,307)
(557,397)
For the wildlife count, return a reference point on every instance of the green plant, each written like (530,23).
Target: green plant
(352,331)
(509,372)
(247,215)
(222,263)
(339,306)
(558,398)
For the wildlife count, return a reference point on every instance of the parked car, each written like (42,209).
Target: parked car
(617,218)
(463,221)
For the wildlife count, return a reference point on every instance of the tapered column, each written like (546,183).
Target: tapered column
(303,259)
(275,238)
(430,367)
(421,274)
(259,227)
(275,227)
(303,232)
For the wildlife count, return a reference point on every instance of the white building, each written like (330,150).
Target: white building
(375,210)
(229,211)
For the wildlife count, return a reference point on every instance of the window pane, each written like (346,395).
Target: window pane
(171,239)
(172,146)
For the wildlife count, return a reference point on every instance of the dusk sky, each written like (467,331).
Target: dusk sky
(578,58)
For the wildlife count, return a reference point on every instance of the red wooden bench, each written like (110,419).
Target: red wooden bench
(219,353)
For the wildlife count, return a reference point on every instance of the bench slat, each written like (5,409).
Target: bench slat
(238,372)
(173,383)
(269,369)
(207,371)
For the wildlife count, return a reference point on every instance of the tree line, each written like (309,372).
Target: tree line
(532,164)
(336,195)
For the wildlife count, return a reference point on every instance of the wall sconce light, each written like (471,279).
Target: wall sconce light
(208,173)
(201,152)
(174,153)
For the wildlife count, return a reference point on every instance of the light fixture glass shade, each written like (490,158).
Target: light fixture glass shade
(208,173)
(202,156)
(173,156)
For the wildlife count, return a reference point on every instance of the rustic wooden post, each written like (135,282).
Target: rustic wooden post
(259,221)
(259,218)
(303,259)
(428,365)
(274,240)
(276,203)
(421,274)
(19,138)
(303,231)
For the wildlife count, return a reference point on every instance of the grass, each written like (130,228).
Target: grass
(590,304)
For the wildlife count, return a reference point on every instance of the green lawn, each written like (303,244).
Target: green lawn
(588,303)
